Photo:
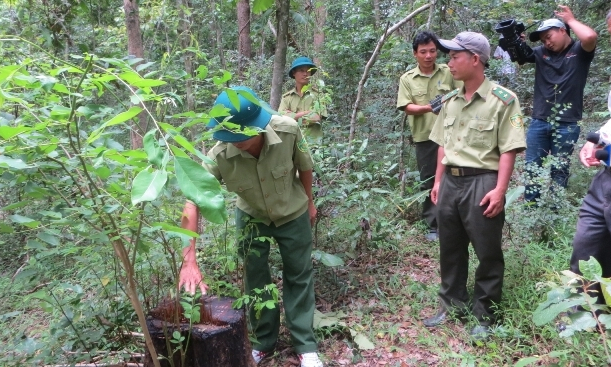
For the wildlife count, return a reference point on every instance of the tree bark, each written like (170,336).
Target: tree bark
(387,33)
(244,40)
(282,26)
(220,338)
(376,13)
(320,13)
(184,27)
(135,48)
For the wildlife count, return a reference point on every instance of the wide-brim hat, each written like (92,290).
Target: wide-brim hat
(473,42)
(302,61)
(546,25)
(244,109)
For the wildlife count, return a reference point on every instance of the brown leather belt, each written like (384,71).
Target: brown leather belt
(467,171)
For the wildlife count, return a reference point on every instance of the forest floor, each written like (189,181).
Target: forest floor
(386,292)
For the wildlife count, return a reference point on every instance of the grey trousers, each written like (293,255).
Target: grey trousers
(426,158)
(593,236)
(461,221)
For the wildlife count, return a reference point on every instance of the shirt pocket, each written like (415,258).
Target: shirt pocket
(448,129)
(239,186)
(443,88)
(281,176)
(420,96)
(480,133)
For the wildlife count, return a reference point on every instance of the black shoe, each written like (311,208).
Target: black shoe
(439,318)
(480,332)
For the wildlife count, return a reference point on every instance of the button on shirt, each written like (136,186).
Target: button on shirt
(418,88)
(476,133)
(268,188)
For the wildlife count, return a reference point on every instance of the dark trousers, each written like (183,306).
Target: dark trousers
(593,236)
(544,139)
(462,221)
(295,244)
(426,158)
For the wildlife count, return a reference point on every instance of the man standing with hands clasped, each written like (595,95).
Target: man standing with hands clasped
(273,202)
(561,70)
(479,131)
(417,91)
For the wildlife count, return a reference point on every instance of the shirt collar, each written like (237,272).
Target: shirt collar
(482,91)
(419,72)
(270,138)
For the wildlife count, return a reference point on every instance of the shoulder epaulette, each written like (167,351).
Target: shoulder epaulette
(449,95)
(504,95)
(287,93)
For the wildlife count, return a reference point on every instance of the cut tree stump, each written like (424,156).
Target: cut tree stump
(219,340)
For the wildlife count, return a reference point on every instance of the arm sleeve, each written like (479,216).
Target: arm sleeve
(284,106)
(404,96)
(213,167)
(511,128)
(437,133)
(301,153)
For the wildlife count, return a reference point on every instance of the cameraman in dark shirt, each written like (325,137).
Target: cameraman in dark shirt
(562,66)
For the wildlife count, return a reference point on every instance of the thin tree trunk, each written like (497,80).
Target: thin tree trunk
(135,48)
(387,33)
(431,13)
(282,17)
(184,26)
(320,14)
(376,13)
(244,40)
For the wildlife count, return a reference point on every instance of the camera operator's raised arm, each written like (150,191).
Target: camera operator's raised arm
(585,34)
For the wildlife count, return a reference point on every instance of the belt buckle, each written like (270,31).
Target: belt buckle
(455,171)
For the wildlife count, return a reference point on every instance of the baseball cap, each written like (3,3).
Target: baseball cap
(470,41)
(544,26)
(247,113)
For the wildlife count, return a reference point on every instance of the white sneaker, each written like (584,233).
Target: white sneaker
(310,360)
(257,355)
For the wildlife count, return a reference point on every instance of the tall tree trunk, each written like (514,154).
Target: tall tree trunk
(184,26)
(244,40)
(376,13)
(282,26)
(320,13)
(135,48)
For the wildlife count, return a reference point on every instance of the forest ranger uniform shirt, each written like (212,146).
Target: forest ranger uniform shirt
(476,133)
(268,188)
(292,101)
(418,88)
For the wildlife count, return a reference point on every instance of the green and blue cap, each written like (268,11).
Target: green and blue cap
(246,114)
(302,61)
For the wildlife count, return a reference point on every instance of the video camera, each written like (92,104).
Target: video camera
(511,40)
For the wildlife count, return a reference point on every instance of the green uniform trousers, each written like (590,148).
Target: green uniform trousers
(295,244)
(426,158)
(461,220)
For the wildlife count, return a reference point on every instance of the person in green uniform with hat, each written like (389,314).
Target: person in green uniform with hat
(417,88)
(299,102)
(273,202)
(479,131)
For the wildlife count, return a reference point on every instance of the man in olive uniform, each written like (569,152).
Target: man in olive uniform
(300,102)
(273,202)
(479,131)
(417,88)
